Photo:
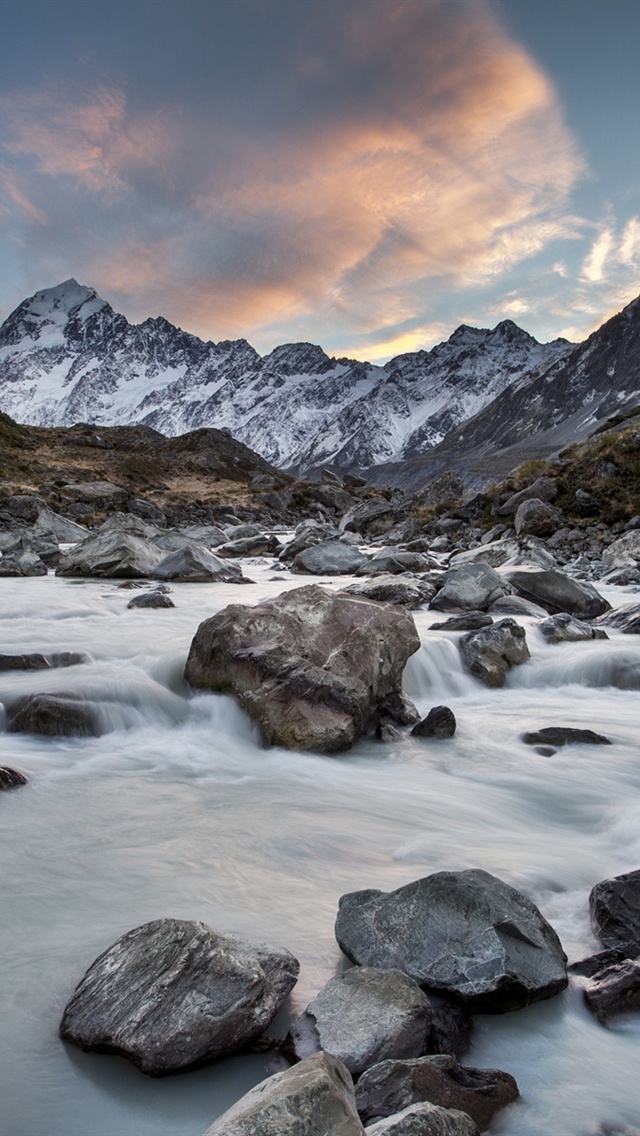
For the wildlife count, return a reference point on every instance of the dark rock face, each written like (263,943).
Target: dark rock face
(152,600)
(462,934)
(195,565)
(364,1016)
(468,621)
(173,995)
(450,1032)
(425,1119)
(615,909)
(39,661)
(556,592)
(55,715)
(391,1086)
(490,653)
(440,722)
(564,628)
(315,670)
(603,959)
(472,587)
(615,990)
(330,558)
(111,554)
(11,778)
(625,619)
(564,735)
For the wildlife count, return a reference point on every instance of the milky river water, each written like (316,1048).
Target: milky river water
(177,810)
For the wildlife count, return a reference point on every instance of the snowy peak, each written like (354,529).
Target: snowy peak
(53,315)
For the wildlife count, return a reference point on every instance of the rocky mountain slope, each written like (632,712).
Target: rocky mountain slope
(67,357)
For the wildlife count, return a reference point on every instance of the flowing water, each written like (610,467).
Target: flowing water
(177,811)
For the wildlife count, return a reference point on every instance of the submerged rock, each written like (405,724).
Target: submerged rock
(55,715)
(490,653)
(173,995)
(152,600)
(625,619)
(316,670)
(464,934)
(440,722)
(11,778)
(564,735)
(41,661)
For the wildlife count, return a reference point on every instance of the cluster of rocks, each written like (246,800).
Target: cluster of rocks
(379,1049)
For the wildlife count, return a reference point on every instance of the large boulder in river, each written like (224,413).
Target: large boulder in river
(464,934)
(615,909)
(625,619)
(22,563)
(315,670)
(555,592)
(425,1119)
(472,587)
(364,1016)
(565,628)
(195,565)
(489,654)
(173,995)
(111,554)
(311,1099)
(54,714)
(406,591)
(330,558)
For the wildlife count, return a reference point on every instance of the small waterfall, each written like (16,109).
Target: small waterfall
(598,664)
(436,672)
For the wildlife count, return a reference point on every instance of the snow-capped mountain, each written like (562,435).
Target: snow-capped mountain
(66,356)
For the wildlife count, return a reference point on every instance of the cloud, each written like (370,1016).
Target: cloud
(408,146)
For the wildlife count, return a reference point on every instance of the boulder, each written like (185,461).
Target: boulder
(330,558)
(490,653)
(316,670)
(615,909)
(260,545)
(22,564)
(603,959)
(391,1086)
(409,592)
(209,536)
(565,628)
(362,1017)
(564,735)
(537,517)
(393,562)
(151,599)
(542,489)
(55,715)
(63,529)
(516,605)
(369,517)
(425,1119)
(25,506)
(440,722)
(556,592)
(173,995)
(615,990)
(306,534)
(465,934)
(625,619)
(473,587)
(467,621)
(494,554)
(623,552)
(451,1027)
(111,554)
(195,565)
(11,778)
(448,487)
(99,494)
(40,661)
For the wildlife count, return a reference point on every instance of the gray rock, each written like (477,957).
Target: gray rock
(330,558)
(449,487)
(516,605)
(394,562)
(314,1098)
(173,995)
(564,735)
(440,722)
(100,494)
(425,1119)
(490,653)
(195,565)
(260,545)
(462,934)
(473,587)
(451,1028)
(554,591)
(209,536)
(25,506)
(111,554)
(565,628)
(151,600)
(64,530)
(625,619)
(615,909)
(22,564)
(623,552)
(306,534)
(11,778)
(391,1086)
(369,517)
(316,670)
(615,990)
(55,715)
(603,959)
(542,489)
(409,592)
(493,554)
(41,661)
(537,517)
(466,621)
(364,1016)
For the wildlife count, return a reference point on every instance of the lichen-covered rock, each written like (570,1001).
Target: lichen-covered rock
(425,1119)
(490,653)
(615,909)
(316,670)
(173,995)
(466,935)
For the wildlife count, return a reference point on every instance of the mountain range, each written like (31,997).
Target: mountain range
(66,356)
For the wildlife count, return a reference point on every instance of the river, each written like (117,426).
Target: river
(177,811)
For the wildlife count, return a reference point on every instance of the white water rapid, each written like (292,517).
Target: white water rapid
(178,811)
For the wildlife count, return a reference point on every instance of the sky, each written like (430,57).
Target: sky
(364,174)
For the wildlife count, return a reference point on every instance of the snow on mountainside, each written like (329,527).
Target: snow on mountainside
(66,356)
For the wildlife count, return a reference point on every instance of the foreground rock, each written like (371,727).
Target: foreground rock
(391,1086)
(615,990)
(364,1016)
(440,722)
(425,1119)
(111,554)
(11,778)
(311,1099)
(173,995)
(55,715)
(615,909)
(490,653)
(315,670)
(464,934)
(564,735)
(556,592)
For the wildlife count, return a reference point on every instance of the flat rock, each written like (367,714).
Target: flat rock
(565,628)
(466,935)
(425,1119)
(314,1098)
(55,715)
(490,653)
(440,722)
(42,661)
(11,778)
(554,591)
(473,587)
(564,735)
(615,909)
(111,554)
(466,621)
(193,564)
(615,990)
(329,558)
(392,1086)
(173,995)
(316,670)
(364,1016)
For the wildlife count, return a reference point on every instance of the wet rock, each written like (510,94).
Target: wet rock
(40,661)
(425,1119)
(490,653)
(440,722)
(564,735)
(407,592)
(54,715)
(173,995)
(537,517)
(603,959)
(111,554)
(195,565)
(615,909)
(473,587)
(467,621)
(556,592)
(330,558)
(625,619)
(387,733)
(565,628)
(316,670)
(450,1033)
(152,600)
(391,1086)
(11,778)
(313,1098)
(465,935)
(364,1016)
(615,990)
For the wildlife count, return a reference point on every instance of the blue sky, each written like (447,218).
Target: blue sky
(366,174)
